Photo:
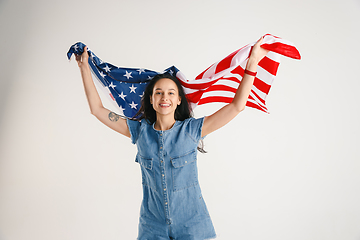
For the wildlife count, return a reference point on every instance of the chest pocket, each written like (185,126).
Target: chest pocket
(184,171)
(147,171)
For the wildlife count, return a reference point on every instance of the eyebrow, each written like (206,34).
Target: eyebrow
(169,89)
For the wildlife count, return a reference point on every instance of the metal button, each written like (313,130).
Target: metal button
(164,189)
(185,161)
(165,203)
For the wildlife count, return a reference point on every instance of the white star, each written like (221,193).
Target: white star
(102,74)
(132,88)
(133,105)
(171,72)
(128,75)
(141,70)
(76,47)
(141,95)
(149,77)
(112,85)
(106,68)
(122,110)
(101,61)
(122,95)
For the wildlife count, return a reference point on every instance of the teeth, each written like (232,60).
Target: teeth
(165,105)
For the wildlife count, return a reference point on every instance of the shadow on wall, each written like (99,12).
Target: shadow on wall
(14,24)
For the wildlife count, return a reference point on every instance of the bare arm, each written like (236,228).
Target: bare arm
(107,117)
(228,112)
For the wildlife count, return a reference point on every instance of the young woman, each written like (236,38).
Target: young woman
(167,138)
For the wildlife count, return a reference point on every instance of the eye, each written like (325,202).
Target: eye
(157,93)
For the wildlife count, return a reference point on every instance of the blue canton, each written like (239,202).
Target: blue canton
(126,85)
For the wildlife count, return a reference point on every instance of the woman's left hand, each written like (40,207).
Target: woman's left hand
(257,52)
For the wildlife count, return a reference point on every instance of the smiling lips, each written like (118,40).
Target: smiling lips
(164,105)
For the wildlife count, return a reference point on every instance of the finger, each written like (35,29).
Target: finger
(260,40)
(86,50)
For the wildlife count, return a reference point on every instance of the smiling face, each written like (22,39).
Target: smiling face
(165,97)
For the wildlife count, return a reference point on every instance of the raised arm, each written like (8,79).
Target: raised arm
(110,119)
(228,112)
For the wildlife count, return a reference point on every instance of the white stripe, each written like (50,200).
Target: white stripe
(270,40)
(241,55)
(273,56)
(228,83)
(217,94)
(210,72)
(264,76)
(225,82)
(261,94)
(256,99)
(181,76)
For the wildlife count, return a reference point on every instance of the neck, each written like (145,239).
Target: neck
(164,122)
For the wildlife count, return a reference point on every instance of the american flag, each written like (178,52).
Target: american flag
(218,83)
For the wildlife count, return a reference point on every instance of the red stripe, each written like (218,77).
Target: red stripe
(234,79)
(197,85)
(195,96)
(261,100)
(253,105)
(258,83)
(262,86)
(228,100)
(266,63)
(283,49)
(200,76)
(269,65)
(215,99)
(225,63)
(271,35)
(238,70)
(256,104)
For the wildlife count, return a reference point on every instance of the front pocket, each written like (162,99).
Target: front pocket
(147,171)
(184,171)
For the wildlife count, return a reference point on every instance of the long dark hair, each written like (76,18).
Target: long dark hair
(147,112)
(182,112)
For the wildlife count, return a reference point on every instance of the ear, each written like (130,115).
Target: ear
(179,101)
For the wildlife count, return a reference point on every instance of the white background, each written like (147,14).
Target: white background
(291,174)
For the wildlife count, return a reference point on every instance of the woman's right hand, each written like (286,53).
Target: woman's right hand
(82,60)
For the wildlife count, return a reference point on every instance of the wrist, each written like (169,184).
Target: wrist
(84,66)
(251,64)
(246,71)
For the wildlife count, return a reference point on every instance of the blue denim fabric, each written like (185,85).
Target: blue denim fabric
(172,206)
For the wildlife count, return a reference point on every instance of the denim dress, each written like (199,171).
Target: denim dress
(172,206)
